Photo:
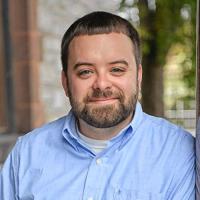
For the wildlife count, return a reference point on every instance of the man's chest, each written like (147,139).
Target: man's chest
(115,177)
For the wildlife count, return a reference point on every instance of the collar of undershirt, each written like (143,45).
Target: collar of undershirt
(96,145)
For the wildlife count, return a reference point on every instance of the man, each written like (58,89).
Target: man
(106,148)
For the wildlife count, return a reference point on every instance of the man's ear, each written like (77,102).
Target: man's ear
(64,82)
(139,76)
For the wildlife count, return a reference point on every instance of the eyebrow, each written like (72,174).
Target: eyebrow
(91,64)
(82,64)
(119,62)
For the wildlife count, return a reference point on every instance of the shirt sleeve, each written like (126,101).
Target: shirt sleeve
(183,183)
(8,178)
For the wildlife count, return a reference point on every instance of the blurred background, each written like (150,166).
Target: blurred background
(30,35)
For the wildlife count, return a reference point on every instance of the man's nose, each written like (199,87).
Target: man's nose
(102,82)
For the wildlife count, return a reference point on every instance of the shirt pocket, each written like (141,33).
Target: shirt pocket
(127,194)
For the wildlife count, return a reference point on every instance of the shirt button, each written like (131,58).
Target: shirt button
(98,161)
(90,198)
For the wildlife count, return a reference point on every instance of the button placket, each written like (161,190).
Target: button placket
(99,161)
(92,187)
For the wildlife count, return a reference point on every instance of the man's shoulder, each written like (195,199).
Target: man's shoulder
(39,144)
(52,129)
(166,130)
(175,145)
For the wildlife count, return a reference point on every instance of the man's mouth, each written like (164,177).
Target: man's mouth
(103,100)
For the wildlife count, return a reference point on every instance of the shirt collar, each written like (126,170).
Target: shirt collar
(129,131)
(137,118)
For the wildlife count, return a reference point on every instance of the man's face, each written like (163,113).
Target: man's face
(102,81)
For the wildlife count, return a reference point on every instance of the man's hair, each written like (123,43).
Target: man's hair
(99,23)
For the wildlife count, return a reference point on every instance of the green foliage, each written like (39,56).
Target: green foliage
(169,23)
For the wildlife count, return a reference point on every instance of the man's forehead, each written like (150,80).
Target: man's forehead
(111,35)
(100,50)
(113,41)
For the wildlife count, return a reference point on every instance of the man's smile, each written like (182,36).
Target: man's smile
(103,100)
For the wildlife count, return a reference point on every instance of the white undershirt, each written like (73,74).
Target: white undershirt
(96,145)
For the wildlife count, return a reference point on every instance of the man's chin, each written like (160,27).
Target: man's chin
(102,109)
(101,120)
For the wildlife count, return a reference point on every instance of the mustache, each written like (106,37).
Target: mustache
(97,93)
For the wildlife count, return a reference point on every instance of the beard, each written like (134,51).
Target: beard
(104,116)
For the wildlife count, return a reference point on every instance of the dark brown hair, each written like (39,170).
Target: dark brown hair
(99,23)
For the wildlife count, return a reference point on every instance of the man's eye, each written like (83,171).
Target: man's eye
(85,73)
(117,70)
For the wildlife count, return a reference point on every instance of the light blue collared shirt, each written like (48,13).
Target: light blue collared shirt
(150,159)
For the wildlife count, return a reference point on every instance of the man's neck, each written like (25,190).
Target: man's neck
(102,133)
